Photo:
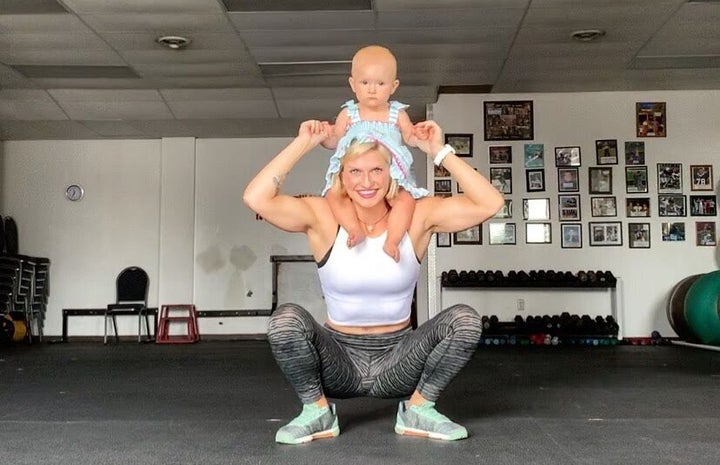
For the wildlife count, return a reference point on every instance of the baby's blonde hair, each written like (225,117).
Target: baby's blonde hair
(356,149)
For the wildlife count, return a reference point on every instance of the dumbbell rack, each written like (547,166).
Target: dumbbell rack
(614,293)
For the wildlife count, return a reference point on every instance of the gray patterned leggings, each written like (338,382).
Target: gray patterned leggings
(318,361)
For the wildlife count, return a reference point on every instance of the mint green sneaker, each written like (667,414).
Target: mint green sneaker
(423,420)
(313,423)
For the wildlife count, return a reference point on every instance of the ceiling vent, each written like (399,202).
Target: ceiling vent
(297,5)
(75,71)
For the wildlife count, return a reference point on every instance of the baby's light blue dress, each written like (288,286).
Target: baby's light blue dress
(387,133)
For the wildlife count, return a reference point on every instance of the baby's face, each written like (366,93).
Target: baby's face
(374,80)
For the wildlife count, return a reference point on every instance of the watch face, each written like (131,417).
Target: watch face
(74,192)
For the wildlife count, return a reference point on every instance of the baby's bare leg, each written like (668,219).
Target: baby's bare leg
(401,213)
(342,208)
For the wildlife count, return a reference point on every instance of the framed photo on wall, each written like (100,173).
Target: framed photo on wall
(701,177)
(534,155)
(569,207)
(651,119)
(703,205)
(500,154)
(567,156)
(571,236)
(705,233)
(605,233)
(637,207)
(506,210)
(606,152)
(673,232)
(538,233)
(536,209)
(568,180)
(603,206)
(442,239)
(502,233)
(501,179)
(635,153)
(512,120)
(535,180)
(462,143)
(600,180)
(671,205)
(639,235)
(472,235)
(443,186)
(669,176)
(636,179)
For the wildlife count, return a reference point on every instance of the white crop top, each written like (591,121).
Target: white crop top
(363,286)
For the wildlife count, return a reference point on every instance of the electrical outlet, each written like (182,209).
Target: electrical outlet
(521,305)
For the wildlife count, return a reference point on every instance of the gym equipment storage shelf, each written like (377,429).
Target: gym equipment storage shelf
(509,298)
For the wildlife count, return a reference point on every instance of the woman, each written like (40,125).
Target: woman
(367,347)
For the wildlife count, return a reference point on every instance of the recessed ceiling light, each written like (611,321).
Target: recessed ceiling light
(587,35)
(173,42)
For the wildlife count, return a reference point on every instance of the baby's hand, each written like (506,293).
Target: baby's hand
(421,132)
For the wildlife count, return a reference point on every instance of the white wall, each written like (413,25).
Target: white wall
(174,207)
(88,242)
(578,119)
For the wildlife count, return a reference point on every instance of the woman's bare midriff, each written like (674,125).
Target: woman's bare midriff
(369,329)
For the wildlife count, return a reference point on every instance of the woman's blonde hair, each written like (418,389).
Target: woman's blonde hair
(356,149)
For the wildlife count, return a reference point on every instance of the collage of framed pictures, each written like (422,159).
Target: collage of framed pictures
(507,121)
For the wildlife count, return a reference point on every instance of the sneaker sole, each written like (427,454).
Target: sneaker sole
(427,434)
(331,433)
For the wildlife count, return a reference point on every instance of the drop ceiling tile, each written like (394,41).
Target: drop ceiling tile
(112,128)
(92,83)
(41,23)
(159,23)
(61,57)
(162,56)
(472,18)
(64,130)
(292,20)
(144,6)
(105,110)
(200,41)
(102,95)
(206,82)
(385,5)
(210,109)
(233,94)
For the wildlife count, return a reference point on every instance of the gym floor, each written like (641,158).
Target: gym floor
(220,402)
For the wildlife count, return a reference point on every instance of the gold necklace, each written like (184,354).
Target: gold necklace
(371,226)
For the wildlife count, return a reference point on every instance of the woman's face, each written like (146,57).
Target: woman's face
(366,178)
